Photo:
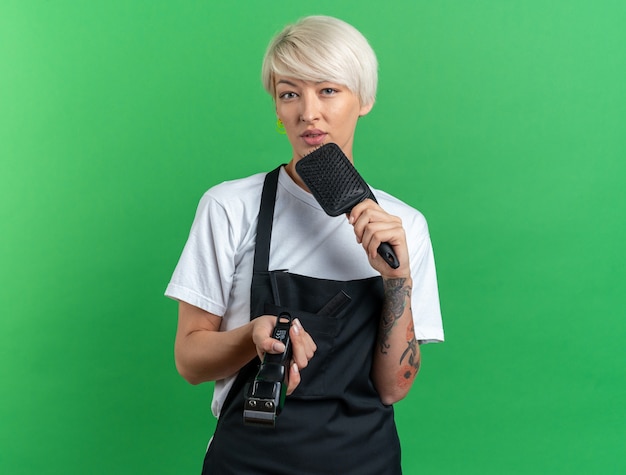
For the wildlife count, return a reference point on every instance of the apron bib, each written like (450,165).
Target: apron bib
(334,422)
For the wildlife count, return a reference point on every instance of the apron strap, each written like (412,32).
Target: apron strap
(265,221)
(261,263)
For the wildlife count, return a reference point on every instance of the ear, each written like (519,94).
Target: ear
(365,109)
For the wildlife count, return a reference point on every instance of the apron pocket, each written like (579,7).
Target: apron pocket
(323,329)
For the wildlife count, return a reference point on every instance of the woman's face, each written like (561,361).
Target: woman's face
(315,113)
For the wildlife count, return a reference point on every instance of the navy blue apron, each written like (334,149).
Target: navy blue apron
(334,422)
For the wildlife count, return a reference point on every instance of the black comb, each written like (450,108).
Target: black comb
(337,186)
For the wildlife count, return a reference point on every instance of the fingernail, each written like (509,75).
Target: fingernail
(297,326)
(278,347)
(295,368)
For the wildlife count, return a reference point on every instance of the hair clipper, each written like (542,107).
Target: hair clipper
(265,396)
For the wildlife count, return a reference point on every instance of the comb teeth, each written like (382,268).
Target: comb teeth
(332,179)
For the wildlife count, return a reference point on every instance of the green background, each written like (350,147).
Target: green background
(503,121)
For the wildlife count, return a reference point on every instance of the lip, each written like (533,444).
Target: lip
(313,136)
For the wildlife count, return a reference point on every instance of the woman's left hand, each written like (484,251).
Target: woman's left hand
(373,226)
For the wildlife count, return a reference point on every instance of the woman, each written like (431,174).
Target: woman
(248,258)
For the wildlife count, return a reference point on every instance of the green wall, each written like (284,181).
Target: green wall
(503,121)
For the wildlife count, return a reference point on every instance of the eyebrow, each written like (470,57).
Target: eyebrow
(286,81)
(289,83)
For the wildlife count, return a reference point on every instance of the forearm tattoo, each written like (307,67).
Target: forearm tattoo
(411,358)
(397,295)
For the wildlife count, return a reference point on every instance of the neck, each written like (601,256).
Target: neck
(290,168)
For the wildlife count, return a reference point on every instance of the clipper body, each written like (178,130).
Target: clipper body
(266,394)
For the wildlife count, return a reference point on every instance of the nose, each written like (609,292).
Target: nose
(310,107)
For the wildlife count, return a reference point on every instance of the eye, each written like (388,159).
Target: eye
(287,95)
(329,91)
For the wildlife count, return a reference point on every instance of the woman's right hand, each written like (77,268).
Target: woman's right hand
(303,346)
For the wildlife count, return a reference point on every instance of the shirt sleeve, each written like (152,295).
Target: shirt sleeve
(425,295)
(204,274)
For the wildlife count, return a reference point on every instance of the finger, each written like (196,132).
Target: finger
(372,220)
(371,209)
(293,378)
(270,345)
(298,344)
(360,208)
(308,343)
(359,218)
(302,344)
(377,233)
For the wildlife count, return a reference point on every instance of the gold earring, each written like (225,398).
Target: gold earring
(280,127)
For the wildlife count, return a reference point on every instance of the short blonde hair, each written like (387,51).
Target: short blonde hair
(322,48)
